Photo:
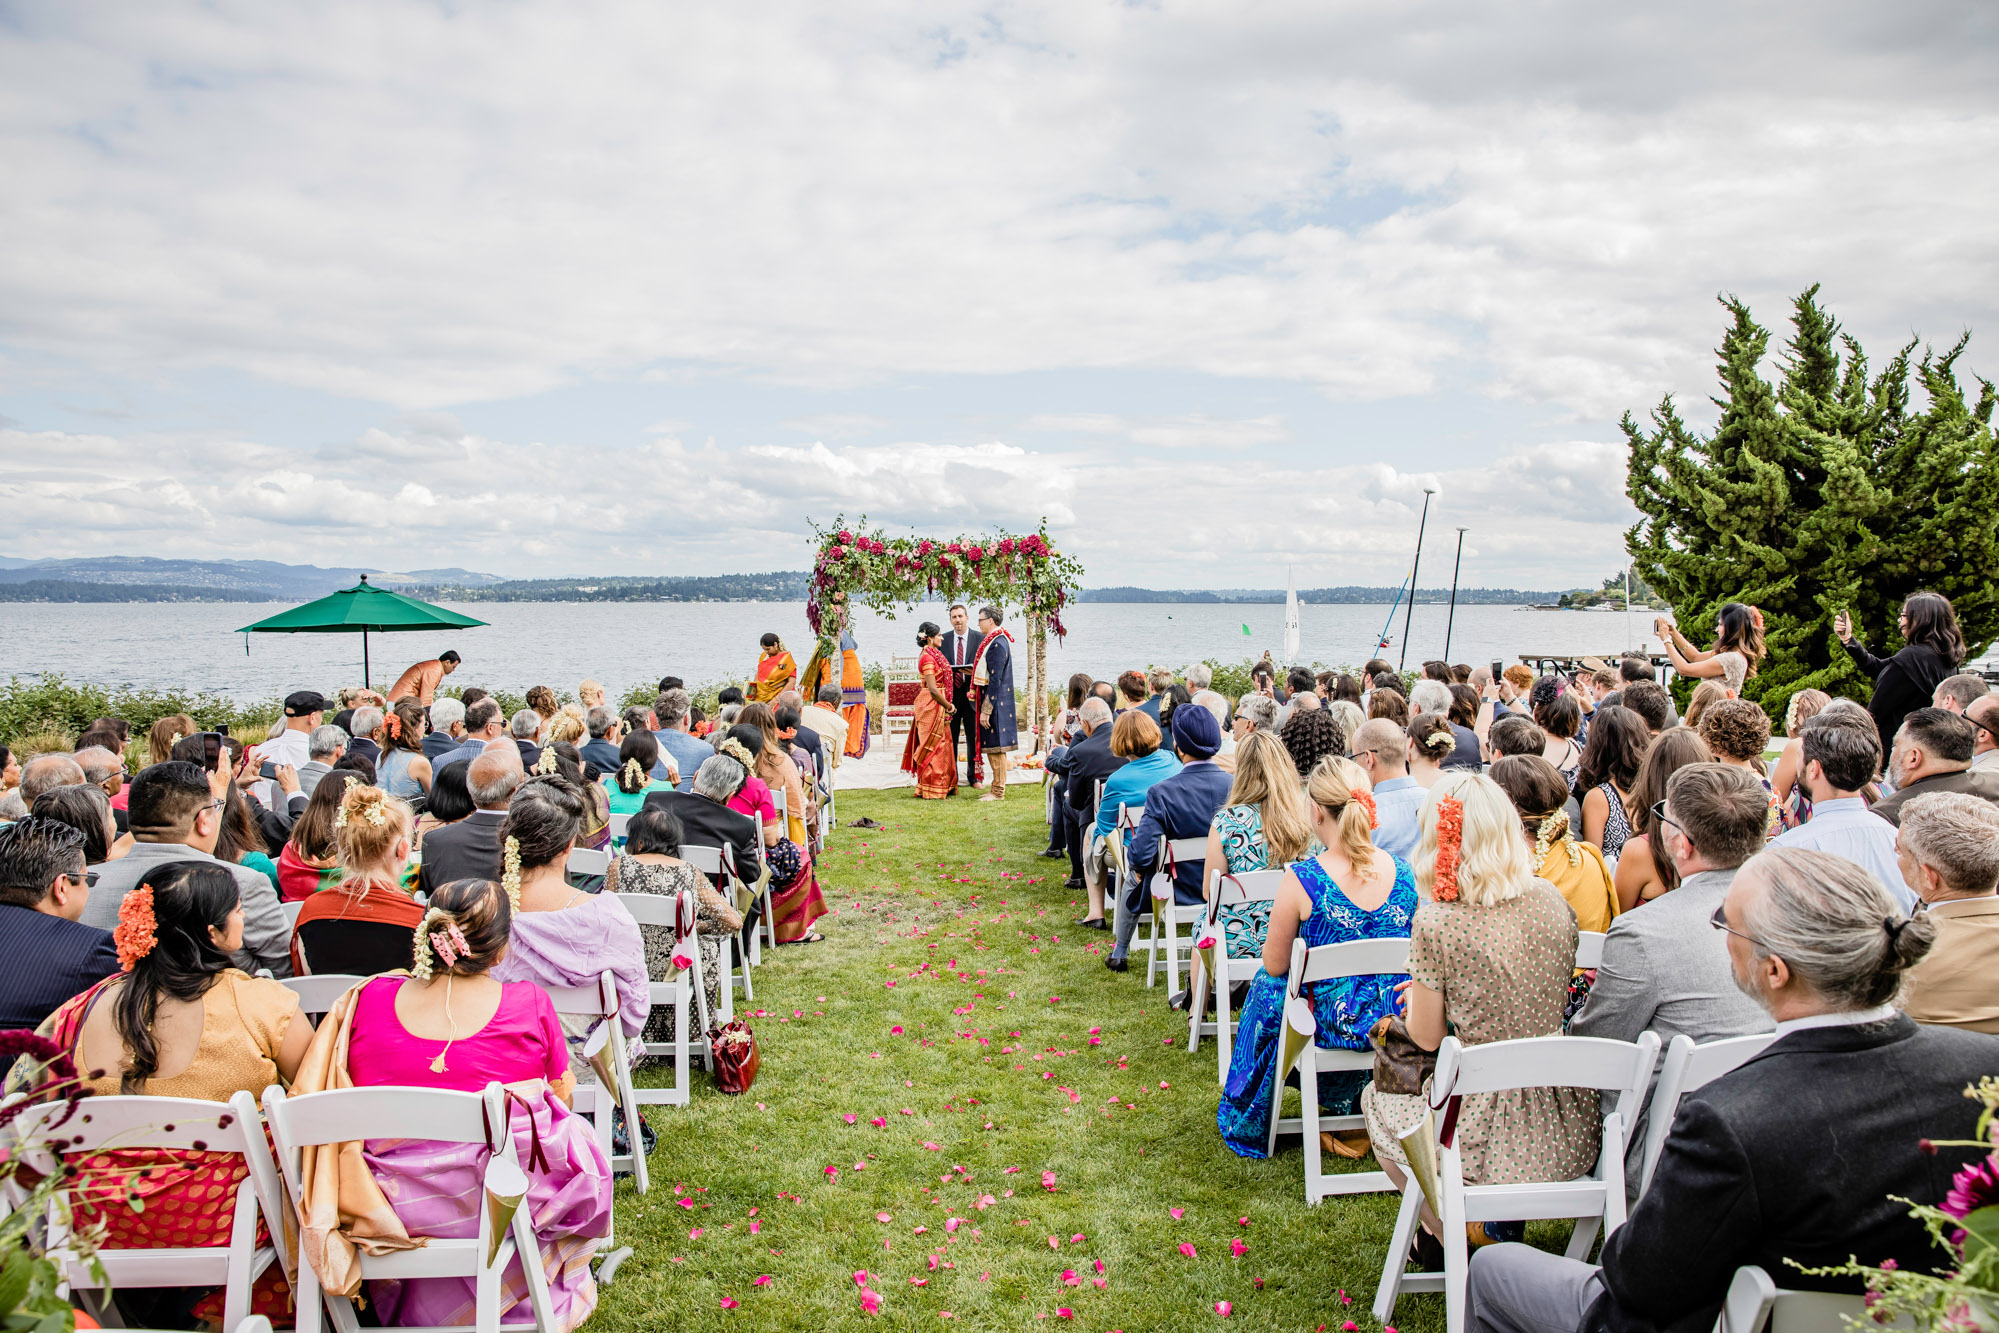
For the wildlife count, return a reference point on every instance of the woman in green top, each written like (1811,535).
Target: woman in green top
(629,786)
(241,840)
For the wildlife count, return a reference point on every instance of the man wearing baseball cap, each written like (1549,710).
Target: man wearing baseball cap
(303,710)
(1182,806)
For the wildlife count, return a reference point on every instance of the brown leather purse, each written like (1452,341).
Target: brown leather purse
(1400,1065)
(736,1056)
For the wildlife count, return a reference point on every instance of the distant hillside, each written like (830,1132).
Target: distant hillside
(218,580)
(1315,596)
(782,586)
(67,590)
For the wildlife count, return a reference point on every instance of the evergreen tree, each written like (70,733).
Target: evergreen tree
(1825,491)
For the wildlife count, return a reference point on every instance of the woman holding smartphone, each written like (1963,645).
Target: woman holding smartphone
(1738,647)
(1932,648)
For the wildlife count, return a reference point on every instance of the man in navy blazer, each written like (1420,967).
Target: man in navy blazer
(47,956)
(1182,806)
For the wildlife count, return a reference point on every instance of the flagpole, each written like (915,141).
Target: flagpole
(1409,613)
(1456,565)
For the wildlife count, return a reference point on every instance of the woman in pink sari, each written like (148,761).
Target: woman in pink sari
(929,753)
(453,1025)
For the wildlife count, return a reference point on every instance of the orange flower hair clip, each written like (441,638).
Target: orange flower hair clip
(1450,839)
(1365,799)
(137,930)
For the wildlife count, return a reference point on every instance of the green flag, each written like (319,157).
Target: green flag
(1245,631)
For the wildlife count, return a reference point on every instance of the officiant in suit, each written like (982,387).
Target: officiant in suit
(961,650)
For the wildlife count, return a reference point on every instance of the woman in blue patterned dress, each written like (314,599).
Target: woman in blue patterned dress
(1266,822)
(1351,891)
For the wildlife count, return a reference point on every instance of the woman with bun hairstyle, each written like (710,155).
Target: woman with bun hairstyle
(638,755)
(929,753)
(1576,868)
(180,1021)
(365,921)
(452,1023)
(562,936)
(1431,741)
(1350,891)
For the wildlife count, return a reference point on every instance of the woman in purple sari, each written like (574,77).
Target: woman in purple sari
(453,1024)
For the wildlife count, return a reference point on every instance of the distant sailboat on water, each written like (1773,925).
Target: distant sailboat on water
(1290,616)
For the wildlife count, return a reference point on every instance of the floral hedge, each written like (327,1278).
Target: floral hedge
(858,564)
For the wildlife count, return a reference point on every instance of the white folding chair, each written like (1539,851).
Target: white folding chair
(1755,1303)
(606,1042)
(1589,949)
(291,911)
(346,1114)
(1595,1200)
(585,861)
(1212,968)
(710,862)
(318,994)
(107,1123)
(1685,1068)
(620,826)
(1354,958)
(656,910)
(1163,944)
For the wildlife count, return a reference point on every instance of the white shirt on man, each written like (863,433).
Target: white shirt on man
(1846,827)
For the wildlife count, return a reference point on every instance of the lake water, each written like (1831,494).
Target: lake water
(192,645)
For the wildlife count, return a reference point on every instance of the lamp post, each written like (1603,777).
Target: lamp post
(1452,615)
(1414,565)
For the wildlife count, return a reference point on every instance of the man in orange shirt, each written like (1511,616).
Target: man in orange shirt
(420,682)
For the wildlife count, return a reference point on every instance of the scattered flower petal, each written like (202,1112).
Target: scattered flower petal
(1187,1248)
(1224,1309)
(763,1280)
(1236,1247)
(1178,1213)
(869,1301)
(729,1303)
(850,1117)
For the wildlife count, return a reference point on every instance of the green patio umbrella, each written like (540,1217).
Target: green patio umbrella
(362,609)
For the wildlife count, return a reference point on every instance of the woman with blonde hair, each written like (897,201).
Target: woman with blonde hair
(1350,719)
(564,726)
(365,921)
(1267,822)
(1794,806)
(1352,890)
(1490,956)
(542,699)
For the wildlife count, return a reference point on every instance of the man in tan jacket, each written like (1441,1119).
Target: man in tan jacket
(1948,848)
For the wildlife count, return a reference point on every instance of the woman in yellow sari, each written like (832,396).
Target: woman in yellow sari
(776,671)
(929,753)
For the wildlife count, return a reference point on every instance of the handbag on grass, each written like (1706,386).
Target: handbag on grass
(1400,1065)
(736,1056)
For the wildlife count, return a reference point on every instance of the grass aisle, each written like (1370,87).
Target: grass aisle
(957,1051)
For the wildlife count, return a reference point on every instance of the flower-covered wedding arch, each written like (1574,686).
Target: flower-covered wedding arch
(859,564)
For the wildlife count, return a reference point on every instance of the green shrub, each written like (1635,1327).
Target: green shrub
(48,703)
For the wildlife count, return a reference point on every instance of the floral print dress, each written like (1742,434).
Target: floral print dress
(1243,849)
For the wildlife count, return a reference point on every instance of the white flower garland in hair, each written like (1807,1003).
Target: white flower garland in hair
(425,962)
(1554,829)
(634,772)
(510,874)
(340,818)
(546,764)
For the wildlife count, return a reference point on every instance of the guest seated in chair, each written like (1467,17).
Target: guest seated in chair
(1351,890)
(651,863)
(365,921)
(1805,1156)
(183,1021)
(1181,806)
(453,1025)
(1264,824)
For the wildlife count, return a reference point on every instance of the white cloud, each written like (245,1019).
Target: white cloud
(1547,515)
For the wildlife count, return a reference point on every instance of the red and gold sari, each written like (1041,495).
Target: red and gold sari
(775,674)
(929,753)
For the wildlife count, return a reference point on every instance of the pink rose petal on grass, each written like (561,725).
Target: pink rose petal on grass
(1048,1181)
(878,1122)
(1349,1327)
(1224,1309)
(919,1282)
(861,1278)
(694,1234)
(1071,1278)
(1100,1265)
(884,1217)
(763,1280)
(1236,1247)
(755,1227)
(1178,1213)
(1064,1312)
(951,1224)
(895,1031)
(1242,1221)
(1187,1249)
(1099,1283)
(729,1303)
(869,1301)
(850,1117)
(832,1173)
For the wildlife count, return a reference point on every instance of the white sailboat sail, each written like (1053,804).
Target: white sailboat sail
(1290,617)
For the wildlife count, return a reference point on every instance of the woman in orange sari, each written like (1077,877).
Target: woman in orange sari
(776,671)
(929,753)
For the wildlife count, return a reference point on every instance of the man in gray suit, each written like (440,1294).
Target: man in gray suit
(1665,969)
(324,748)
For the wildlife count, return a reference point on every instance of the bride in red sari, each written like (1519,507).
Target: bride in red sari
(929,753)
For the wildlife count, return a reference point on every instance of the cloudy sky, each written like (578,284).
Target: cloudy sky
(594,287)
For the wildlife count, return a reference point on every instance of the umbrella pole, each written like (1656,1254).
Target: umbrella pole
(364,660)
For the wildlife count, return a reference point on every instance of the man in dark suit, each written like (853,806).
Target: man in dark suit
(47,956)
(1182,806)
(470,848)
(1090,762)
(605,734)
(1793,1156)
(707,821)
(447,729)
(961,649)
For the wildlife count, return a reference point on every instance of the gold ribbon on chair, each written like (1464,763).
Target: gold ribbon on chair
(1299,1030)
(1419,1149)
(506,1188)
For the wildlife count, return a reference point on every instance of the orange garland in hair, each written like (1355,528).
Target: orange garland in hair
(1366,802)
(138,930)
(1450,838)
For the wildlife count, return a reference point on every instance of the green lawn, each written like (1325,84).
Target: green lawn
(954,1000)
